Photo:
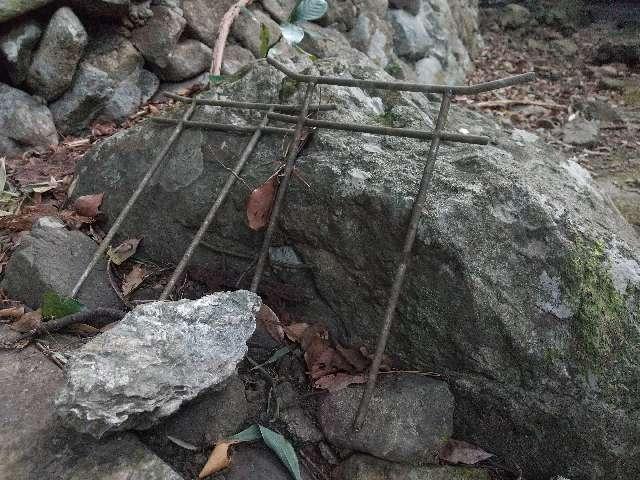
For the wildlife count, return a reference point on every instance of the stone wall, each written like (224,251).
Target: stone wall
(66,64)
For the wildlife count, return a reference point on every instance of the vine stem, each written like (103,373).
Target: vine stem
(223,33)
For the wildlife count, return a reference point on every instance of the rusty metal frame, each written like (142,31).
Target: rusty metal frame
(436,137)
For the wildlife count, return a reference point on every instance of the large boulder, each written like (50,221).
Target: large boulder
(203,18)
(55,61)
(159,356)
(522,289)
(159,36)
(24,122)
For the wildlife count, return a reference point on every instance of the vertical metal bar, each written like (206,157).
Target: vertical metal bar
(132,200)
(292,154)
(406,255)
(214,208)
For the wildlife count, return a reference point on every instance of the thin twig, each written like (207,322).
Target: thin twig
(223,127)
(279,107)
(238,177)
(509,102)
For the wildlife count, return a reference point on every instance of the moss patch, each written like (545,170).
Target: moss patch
(599,309)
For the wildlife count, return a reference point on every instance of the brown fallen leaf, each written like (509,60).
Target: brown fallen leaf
(218,460)
(354,357)
(12,312)
(82,329)
(338,381)
(460,452)
(270,322)
(295,331)
(88,205)
(123,251)
(27,322)
(260,203)
(133,279)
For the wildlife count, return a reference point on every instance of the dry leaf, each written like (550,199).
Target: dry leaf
(123,251)
(260,204)
(27,322)
(218,460)
(12,312)
(88,205)
(338,381)
(133,279)
(354,357)
(270,322)
(295,331)
(457,451)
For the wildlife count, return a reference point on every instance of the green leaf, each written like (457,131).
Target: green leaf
(283,449)
(57,306)
(292,33)
(307,10)
(281,352)
(247,435)
(265,40)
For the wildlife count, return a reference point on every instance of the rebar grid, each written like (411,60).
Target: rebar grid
(301,120)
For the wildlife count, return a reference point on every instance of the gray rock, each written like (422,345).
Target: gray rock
(616,84)
(52,258)
(188,59)
(159,36)
(365,467)
(24,122)
(77,108)
(624,49)
(596,109)
(55,61)
(410,418)
(565,47)
(157,357)
(373,36)
(511,241)
(299,423)
(204,421)
(110,51)
(581,132)
(429,70)
(411,37)
(203,18)
(411,6)
(149,84)
(16,47)
(246,29)
(14,8)
(125,99)
(280,9)
(103,8)
(235,57)
(515,16)
(257,462)
(34,443)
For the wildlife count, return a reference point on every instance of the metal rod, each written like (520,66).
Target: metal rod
(231,179)
(404,261)
(290,163)
(395,132)
(253,106)
(224,127)
(404,86)
(132,200)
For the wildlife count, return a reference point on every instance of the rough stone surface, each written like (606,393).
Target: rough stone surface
(365,467)
(55,61)
(246,29)
(581,132)
(515,16)
(78,107)
(35,444)
(203,18)
(159,36)
(108,8)
(257,462)
(14,8)
(188,59)
(52,258)
(409,418)
(412,38)
(205,420)
(16,47)
(512,240)
(157,357)
(24,122)
(235,57)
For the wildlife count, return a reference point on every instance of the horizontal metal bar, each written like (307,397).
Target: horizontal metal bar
(251,105)
(405,86)
(395,132)
(223,127)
